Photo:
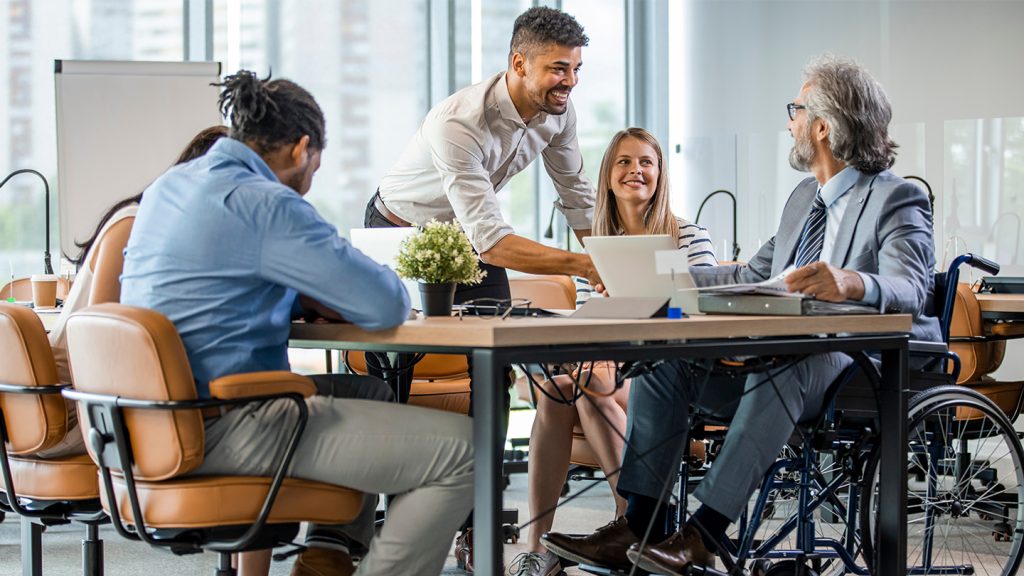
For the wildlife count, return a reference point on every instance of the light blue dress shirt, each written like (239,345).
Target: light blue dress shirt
(221,248)
(834,195)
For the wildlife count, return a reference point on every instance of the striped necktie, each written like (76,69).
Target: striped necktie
(813,236)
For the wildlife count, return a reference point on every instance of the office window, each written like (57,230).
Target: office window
(367,68)
(983,183)
(600,96)
(32,35)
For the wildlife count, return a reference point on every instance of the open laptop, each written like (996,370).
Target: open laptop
(627,265)
(382,245)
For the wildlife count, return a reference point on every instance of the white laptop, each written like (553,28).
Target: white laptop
(628,268)
(382,245)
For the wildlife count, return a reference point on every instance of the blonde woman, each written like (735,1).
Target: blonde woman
(632,198)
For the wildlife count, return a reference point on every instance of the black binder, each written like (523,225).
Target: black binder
(1002,285)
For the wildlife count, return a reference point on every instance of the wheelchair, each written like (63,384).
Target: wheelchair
(816,510)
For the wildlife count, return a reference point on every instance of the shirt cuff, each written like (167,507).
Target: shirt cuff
(577,218)
(484,235)
(871,291)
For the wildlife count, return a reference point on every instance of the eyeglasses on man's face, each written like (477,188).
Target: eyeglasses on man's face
(792,107)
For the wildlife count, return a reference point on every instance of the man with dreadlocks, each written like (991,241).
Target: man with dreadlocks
(222,246)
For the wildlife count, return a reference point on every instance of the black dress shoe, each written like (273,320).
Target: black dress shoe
(605,547)
(674,555)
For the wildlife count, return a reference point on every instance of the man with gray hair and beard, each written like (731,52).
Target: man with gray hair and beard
(853,231)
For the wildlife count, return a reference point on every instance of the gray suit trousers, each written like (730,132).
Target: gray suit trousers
(762,421)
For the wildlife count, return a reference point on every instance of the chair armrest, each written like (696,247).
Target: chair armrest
(268,383)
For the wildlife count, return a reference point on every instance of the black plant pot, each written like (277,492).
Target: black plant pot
(437,298)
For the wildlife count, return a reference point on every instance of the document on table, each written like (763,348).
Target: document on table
(774,286)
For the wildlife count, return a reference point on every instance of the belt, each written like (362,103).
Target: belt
(388,214)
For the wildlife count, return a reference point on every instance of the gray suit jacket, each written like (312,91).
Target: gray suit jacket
(886,233)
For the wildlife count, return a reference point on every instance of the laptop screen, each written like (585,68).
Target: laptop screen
(627,265)
(382,245)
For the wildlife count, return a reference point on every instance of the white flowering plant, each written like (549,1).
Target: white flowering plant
(438,253)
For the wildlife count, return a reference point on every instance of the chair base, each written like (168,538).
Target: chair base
(187,541)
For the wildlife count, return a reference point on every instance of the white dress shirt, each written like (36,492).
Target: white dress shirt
(469,146)
(834,195)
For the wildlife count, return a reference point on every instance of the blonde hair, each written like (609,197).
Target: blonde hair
(658,218)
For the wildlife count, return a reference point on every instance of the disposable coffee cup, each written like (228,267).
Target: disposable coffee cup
(44,290)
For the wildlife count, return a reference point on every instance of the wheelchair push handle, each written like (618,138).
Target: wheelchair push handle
(984,264)
(975,261)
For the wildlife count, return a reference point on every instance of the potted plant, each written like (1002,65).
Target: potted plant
(439,256)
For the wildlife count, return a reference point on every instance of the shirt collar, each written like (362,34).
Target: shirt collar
(239,151)
(839,185)
(507,108)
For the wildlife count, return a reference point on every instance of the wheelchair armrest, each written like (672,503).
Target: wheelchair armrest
(926,348)
(938,351)
(268,383)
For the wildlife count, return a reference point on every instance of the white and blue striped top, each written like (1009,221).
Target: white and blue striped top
(692,237)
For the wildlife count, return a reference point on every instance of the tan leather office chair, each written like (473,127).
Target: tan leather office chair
(145,430)
(555,292)
(33,418)
(981,348)
(440,381)
(21,289)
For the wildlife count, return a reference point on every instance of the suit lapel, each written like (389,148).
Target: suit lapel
(792,225)
(854,208)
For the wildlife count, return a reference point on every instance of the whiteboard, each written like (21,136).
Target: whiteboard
(119,126)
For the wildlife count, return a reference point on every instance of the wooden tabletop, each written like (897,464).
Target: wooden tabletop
(495,333)
(1001,302)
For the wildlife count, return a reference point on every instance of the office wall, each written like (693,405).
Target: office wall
(742,61)
(951,70)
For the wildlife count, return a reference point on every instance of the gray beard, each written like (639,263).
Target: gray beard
(801,155)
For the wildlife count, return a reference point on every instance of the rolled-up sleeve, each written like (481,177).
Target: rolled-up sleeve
(564,163)
(457,155)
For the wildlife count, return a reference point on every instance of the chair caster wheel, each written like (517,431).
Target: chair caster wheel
(510,533)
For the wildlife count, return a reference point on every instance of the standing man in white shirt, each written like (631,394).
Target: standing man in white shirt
(472,143)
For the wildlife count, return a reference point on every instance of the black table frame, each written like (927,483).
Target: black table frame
(489,376)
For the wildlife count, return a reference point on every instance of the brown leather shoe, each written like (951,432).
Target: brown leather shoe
(606,547)
(674,555)
(323,562)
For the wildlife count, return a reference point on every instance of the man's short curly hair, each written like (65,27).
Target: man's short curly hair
(540,26)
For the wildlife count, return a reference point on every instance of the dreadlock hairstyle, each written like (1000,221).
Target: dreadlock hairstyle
(268,114)
(540,26)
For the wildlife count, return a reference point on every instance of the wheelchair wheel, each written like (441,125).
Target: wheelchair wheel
(965,492)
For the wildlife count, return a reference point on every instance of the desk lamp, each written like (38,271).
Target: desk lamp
(47,266)
(735,244)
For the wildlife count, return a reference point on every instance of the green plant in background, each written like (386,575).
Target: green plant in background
(439,253)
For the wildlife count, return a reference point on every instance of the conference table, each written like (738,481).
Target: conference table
(496,343)
(1001,306)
